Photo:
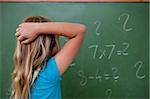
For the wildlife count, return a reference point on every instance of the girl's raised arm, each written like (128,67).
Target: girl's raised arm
(74,31)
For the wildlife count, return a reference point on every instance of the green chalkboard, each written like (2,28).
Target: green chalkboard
(113,62)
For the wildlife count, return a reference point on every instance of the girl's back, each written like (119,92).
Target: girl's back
(47,86)
(38,49)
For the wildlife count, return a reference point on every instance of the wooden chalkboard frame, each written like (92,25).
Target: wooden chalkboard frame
(74,0)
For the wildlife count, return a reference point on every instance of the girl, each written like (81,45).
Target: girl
(39,63)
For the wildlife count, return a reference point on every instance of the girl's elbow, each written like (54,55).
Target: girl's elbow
(83,28)
(80,31)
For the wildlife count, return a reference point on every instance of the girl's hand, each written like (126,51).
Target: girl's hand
(27,32)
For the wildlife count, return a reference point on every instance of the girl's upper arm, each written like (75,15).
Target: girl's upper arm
(66,55)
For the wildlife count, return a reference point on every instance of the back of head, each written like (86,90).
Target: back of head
(29,57)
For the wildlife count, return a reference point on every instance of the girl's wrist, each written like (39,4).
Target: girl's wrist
(38,28)
(42,28)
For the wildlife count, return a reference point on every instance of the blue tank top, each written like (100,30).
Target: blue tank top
(47,83)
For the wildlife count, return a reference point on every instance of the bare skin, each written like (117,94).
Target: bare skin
(27,32)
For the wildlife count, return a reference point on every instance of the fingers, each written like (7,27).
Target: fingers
(25,41)
(18,29)
(21,38)
(20,25)
(18,34)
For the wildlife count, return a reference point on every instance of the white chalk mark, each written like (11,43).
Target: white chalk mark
(125,49)
(112,50)
(107,76)
(103,53)
(139,65)
(97,76)
(98,25)
(125,22)
(119,53)
(95,51)
(84,80)
(72,65)
(115,73)
(108,93)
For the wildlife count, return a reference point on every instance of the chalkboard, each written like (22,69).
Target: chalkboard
(113,62)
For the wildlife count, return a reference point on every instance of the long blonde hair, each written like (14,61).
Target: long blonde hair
(29,57)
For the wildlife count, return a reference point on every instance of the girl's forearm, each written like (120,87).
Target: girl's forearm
(69,30)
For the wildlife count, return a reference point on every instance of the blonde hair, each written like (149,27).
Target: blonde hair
(30,57)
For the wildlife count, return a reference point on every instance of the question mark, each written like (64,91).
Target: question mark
(125,22)
(108,92)
(98,25)
(139,64)
(115,76)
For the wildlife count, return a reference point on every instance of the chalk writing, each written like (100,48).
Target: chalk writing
(124,51)
(108,93)
(72,64)
(125,22)
(112,46)
(139,65)
(103,53)
(98,25)
(83,81)
(97,76)
(115,73)
(95,51)
(100,53)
